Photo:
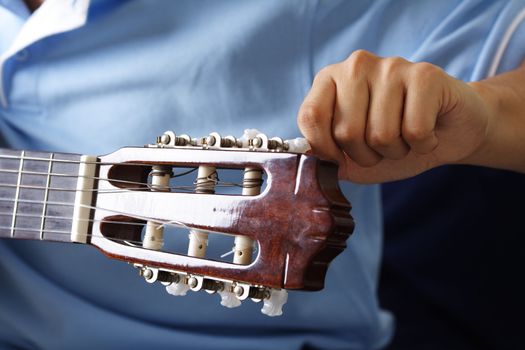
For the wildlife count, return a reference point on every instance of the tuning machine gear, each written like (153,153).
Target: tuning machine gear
(251,140)
(231,293)
(169,138)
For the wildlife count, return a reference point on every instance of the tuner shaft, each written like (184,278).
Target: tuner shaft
(205,183)
(243,248)
(154,235)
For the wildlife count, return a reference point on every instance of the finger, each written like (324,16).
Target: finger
(315,117)
(422,105)
(350,117)
(383,130)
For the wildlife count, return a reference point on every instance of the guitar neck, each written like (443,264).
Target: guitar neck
(37,194)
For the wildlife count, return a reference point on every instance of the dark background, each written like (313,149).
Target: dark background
(454,259)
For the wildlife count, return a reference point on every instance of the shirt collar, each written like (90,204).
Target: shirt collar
(52,17)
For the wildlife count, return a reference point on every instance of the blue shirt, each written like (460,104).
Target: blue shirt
(132,69)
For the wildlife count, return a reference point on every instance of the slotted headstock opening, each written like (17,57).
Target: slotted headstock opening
(227,180)
(129,231)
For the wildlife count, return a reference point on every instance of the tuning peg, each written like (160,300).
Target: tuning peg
(215,141)
(273,306)
(228,298)
(298,145)
(263,143)
(177,288)
(169,138)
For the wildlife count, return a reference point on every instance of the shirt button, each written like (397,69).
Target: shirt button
(22,55)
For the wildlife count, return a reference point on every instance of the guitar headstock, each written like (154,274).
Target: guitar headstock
(284,215)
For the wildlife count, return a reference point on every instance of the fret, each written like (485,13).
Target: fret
(46,195)
(8,189)
(37,194)
(62,164)
(17,193)
(32,188)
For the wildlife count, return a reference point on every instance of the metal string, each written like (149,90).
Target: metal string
(104,190)
(77,176)
(51,160)
(54,160)
(162,223)
(66,233)
(219,183)
(145,218)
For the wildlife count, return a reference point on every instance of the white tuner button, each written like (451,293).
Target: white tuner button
(298,145)
(229,299)
(177,289)
(273,306)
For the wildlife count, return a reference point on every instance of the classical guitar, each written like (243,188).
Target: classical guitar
(284,216)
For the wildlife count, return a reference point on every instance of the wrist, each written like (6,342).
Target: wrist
(489,108)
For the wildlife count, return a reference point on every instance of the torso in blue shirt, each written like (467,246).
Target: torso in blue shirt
(140,67)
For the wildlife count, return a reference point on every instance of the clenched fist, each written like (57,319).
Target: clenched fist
(385,119)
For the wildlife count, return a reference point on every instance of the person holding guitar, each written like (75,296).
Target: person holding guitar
(89,76)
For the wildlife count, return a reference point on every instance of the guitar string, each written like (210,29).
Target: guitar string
(162,223)
(182,189)
(187,188)
(129,242)
(66,218)
(74,176)
(176,189)
(65,233)
(218,183)
(54,160)
(68,233)
(86,206)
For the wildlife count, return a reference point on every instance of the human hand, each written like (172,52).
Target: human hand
(385,119)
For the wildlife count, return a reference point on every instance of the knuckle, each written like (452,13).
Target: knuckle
(358,62)
(345,136)
(381,139)
(415,134)
(426,74)
(325,72)
(309,116)
(360,55)
(392,65)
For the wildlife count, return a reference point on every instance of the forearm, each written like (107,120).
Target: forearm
(504,146)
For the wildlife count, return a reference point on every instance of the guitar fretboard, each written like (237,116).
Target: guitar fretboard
(37,193)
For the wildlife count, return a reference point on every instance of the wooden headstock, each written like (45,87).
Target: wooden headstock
(299,222)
